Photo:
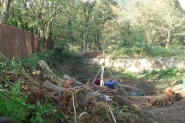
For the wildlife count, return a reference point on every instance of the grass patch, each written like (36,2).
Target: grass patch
(18,105)
(32,60)
(127,75)
(147,51)
(171,74)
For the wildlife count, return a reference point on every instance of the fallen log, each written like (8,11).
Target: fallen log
(48,73)
(162,100)
(148,100)
(47,84)
(86,91)
(56,83)
(77,83)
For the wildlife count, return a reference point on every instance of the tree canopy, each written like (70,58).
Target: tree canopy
(98,25)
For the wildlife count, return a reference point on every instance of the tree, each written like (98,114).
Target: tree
(5,11)
(87,8)
(162,20)
(41,14)
(105,17)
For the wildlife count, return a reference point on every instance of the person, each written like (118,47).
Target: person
(110,83)
(97,82)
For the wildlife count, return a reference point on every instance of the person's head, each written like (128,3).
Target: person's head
(98,76)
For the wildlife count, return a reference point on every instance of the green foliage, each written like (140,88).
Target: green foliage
(81,77)
(40,113)
(72,53)
(144,50)
(6,64)
(136,50)
(123,114)
(12,103)
(18,106)
(32,60)
(92,25)
(126,74)
(158,51)
(170,74)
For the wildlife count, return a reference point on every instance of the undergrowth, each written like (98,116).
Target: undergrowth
(15,104)
(32,60)
(18,106)
(170,74)
(21,108)
(100,111)
(144,51)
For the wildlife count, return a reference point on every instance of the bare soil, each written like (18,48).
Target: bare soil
(165,114)
(84,73)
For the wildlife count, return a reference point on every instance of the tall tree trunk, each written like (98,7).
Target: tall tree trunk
(46,32)
(169,38)
(86,39)
(150,38)
(5,11)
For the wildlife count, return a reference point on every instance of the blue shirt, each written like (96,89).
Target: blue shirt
(111,83)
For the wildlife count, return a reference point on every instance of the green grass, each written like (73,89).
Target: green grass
(32,60)
(15,104)
(171,75)
(147,51)
(158,51)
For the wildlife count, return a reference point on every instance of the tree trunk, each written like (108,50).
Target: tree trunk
(169,38)
(87,90)
(49,85)
(5,11)
(86,39)
(48,73)
(46,32)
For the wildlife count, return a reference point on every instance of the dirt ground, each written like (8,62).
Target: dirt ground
(174,113)
(165,114)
